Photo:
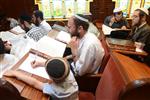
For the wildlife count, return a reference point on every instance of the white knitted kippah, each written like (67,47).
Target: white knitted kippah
(81,18)
(144,10)
(117,10)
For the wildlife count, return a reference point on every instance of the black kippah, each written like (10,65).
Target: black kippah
(56,68)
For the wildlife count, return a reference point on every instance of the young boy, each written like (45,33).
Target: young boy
(63,87)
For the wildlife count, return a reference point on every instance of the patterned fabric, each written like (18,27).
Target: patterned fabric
(36,33)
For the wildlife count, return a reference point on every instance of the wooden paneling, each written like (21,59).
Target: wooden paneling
(101,8)
(13,8)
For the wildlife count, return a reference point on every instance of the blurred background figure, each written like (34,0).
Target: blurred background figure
(116,20)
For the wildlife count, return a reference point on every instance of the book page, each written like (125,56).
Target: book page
(107,30)
(18,29)
(6,35)
(64,37)
(50,47)
(39,71)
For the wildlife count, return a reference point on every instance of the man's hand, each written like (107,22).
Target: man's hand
(74,43)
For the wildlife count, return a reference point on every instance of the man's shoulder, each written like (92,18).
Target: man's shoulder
(35,29)
(91,39)
(146,27)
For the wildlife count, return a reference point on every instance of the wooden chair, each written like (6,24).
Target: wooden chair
(8,91)
(138,89)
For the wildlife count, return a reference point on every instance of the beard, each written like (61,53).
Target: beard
(137,24)
(37,22)
(76,33)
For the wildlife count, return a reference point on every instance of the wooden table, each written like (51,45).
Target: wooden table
(25,90)
(123,46)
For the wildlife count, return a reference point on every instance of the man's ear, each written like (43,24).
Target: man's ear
(144,18)
(80,28)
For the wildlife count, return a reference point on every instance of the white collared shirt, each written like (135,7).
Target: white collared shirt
(90,54)
(44,25)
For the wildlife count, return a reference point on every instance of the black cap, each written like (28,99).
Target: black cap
(57,68)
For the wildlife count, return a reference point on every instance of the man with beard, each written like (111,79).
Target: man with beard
(87,51)
(39,21)
(140,28)
(32,31)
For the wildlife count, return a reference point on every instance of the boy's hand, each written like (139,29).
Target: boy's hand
(36,64)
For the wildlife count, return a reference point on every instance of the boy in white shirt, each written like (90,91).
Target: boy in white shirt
(63,87)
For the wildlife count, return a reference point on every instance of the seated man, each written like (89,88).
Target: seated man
(39,21)
(32,31)
(140,28)
(116,20)
(86,49)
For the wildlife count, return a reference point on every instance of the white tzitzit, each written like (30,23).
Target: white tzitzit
(81,18)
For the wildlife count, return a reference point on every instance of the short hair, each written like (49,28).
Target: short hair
(8,91)
(2,47)
(78,22)
(25,17)
(39,14)
(57,68)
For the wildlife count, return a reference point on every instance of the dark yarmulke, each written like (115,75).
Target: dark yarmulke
(55,68)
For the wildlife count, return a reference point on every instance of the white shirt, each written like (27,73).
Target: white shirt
(7,61)
(90,54)
(93,29)
(44,25)
(67,90)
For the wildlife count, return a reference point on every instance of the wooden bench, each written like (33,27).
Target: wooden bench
(123,79)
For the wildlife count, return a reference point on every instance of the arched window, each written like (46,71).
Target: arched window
(63,8)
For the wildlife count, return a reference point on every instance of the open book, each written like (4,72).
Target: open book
(63,37)
(39,71)
(17,30)
(50,47)
(115,33)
